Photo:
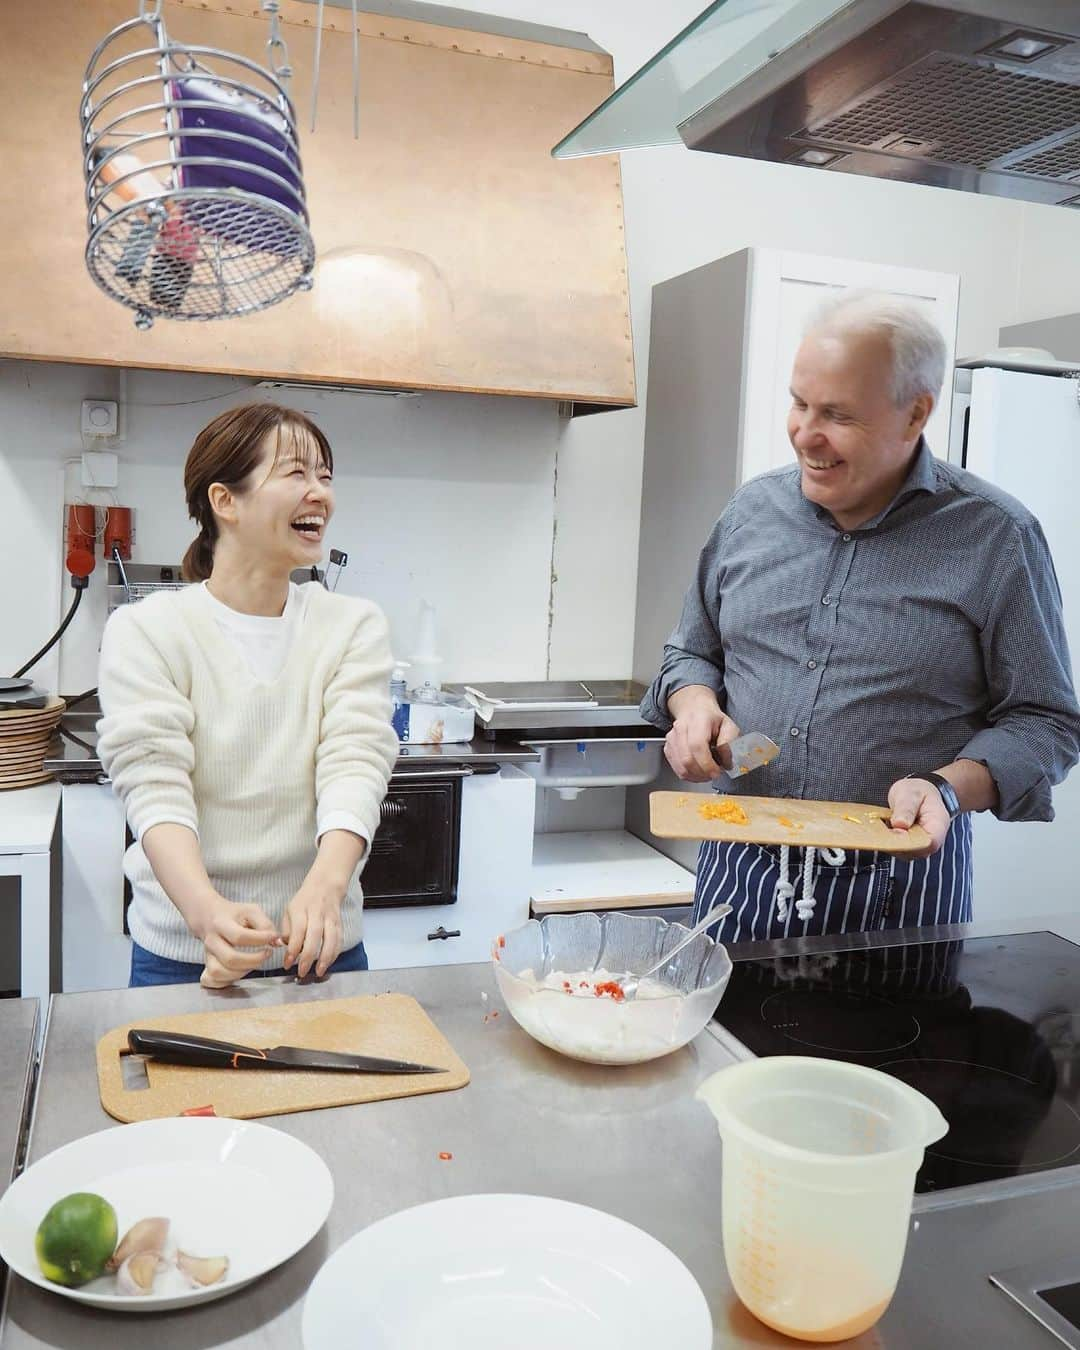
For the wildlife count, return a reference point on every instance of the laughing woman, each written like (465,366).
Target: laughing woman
(246,724)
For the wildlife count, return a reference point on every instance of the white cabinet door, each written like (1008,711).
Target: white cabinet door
(494,881)
(97,955)
(784,290)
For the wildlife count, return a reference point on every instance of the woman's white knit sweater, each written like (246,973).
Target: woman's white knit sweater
(188,736)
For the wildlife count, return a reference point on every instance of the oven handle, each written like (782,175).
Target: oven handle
(451,771)
(457,771)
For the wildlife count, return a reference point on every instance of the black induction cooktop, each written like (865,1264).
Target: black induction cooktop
(988,1028)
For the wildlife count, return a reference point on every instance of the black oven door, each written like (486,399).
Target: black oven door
(414,859)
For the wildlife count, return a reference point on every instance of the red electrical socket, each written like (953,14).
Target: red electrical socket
(81,537)
(118,532)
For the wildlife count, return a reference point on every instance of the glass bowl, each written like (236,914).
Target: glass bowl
(576,1015)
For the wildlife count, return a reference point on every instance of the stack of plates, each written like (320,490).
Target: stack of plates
(25,735)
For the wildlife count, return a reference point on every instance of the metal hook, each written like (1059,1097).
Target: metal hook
(279,54)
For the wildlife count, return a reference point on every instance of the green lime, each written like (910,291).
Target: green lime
(76,1238)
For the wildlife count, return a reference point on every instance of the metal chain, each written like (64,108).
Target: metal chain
(150,9)
(279,53)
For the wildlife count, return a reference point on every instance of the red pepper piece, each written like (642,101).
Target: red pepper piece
(612,988)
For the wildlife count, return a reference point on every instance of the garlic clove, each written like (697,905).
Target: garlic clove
(203,1270)
(148,1235)
(136,1274)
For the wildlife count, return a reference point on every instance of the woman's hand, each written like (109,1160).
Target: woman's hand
(312,923)
(236,939)
(311,926)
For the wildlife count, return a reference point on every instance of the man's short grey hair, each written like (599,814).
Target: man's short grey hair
(918,347)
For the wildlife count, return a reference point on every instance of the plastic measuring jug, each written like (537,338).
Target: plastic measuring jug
(818,1173)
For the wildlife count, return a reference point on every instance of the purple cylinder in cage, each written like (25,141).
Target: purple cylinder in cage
(207,105)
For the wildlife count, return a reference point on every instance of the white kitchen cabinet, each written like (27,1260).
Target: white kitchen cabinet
(96,952)
(28,837)
(494,882)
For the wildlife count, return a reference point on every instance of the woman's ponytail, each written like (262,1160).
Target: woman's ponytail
(199,559)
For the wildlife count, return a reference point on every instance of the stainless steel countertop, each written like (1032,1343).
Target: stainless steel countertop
(18,1050)
(530,1120)
(629,1141)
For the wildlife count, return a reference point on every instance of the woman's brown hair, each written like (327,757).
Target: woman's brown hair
(227,451)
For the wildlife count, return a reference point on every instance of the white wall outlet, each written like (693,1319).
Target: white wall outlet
(99,468)
(99,417)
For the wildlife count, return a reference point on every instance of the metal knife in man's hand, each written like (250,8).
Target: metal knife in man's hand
(747,753)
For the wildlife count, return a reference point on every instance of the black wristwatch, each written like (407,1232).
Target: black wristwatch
(948,792)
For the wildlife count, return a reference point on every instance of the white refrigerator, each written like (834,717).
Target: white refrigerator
(1021,430)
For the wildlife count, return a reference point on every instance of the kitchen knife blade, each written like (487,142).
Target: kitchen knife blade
(172,1047)
(748,753)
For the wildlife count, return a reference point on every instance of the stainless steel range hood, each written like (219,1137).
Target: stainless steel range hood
(980,95)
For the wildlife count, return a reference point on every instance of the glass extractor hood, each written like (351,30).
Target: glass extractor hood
(727,42)
(975,95)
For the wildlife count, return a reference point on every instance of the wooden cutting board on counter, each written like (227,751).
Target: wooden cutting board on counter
(783,820)
(393,1026)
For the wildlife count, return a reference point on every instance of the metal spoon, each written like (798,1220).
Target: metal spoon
(632,983)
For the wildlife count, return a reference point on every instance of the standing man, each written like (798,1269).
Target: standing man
(892,620)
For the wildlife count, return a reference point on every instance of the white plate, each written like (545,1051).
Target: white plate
(220,1182)
(483,1272)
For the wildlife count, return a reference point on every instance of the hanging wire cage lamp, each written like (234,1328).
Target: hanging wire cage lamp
(195,197)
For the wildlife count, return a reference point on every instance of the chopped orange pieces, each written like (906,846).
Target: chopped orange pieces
(789,824)
(724,809)
(854,819)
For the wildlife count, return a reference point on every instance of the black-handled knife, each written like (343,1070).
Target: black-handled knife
(198,1051)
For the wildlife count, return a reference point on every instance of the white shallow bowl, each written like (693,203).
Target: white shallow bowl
(219,1182)
(487,1272)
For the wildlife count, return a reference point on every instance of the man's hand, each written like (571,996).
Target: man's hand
(236,939)
(914,801)
(312,926)
(700,724)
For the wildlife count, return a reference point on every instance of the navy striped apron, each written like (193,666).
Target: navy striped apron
(867,891)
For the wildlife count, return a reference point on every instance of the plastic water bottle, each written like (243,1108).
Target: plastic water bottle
(400,716)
